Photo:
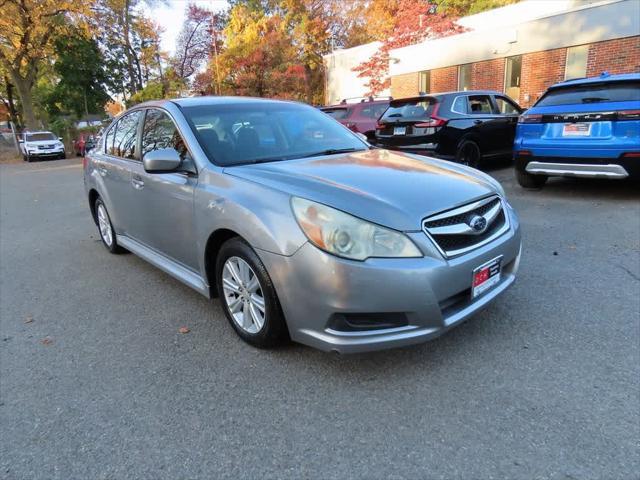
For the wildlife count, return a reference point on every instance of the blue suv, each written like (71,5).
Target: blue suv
(587,127)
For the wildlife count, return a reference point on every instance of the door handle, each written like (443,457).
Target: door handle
(477,122)
(137,183)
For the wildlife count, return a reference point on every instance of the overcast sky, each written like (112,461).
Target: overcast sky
(170,15)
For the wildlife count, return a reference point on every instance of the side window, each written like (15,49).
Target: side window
(337,113)
(480,105)
(374,111)
(159,131)
(126,136)
(459,105)
(108,140)
(506,106)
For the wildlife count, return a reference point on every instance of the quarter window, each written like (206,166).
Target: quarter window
(108,140)
(159,132)
(576,66)
(459,105)
(464,77)
(126,136)
(338,113)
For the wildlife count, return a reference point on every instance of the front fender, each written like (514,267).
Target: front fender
(259,214)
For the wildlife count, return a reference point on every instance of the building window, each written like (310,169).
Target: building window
(425,81)
(464,77)
(513,71)
(576,66)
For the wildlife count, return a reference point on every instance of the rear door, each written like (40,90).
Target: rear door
(487,126)
(163,202)
(113,167)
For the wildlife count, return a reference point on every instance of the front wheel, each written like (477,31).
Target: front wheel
(468,153)
(526,180)
(248,296)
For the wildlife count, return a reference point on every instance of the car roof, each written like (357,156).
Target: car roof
(355,104)
(603,77)
(211,100)
(439,95)
(39,131)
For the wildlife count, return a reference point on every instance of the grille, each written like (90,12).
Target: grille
(453,233)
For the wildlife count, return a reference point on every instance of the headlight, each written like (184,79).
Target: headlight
(346,236)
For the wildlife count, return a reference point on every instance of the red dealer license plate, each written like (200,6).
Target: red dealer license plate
(485,277)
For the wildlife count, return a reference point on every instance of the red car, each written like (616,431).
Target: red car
(360,115)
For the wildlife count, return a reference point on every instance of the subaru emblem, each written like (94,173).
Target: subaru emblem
(478,223)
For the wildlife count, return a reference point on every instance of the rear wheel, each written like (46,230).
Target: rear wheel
(527,180)
(468,153)
(248,296)
(105,227)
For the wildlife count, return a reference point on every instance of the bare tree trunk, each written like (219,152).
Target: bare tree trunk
(10,103)
(23,87)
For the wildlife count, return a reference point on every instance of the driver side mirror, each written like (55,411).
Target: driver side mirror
(161,161)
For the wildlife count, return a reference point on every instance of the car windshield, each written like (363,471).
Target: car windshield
(411,110)
(591,93)
(255,132)
(40,137)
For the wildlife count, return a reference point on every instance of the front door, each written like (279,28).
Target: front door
(486,123)
(164,201)
(509,111)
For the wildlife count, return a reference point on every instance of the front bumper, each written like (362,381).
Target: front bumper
(430,293)
(46,153)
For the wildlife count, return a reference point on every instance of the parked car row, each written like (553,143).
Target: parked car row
(583,128)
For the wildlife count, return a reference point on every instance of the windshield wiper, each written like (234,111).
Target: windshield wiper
(332,151)
(594,99)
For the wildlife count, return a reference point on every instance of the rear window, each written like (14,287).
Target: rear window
(337,113)
(591,93)
(410,110)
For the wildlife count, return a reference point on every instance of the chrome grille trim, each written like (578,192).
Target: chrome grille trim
(463,228)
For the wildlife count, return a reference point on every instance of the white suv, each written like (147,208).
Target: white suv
(41,145)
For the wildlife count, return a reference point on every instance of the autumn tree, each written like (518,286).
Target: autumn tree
(27,30)
(194,41)
(413,22)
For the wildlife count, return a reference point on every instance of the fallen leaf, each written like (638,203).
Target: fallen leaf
(46,341)
(28,319)
(183,330)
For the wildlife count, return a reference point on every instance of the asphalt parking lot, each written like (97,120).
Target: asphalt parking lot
(97,382)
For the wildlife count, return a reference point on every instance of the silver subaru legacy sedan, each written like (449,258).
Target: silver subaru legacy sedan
(301,228)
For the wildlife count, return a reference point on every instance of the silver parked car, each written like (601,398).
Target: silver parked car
(301,228)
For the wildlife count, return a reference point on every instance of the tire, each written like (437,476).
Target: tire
(526,180)
(104,225)
(468,153)
(63,155)
(28,158)
(256,317)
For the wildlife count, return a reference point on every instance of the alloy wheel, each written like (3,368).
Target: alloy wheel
(243,295)
(104,225)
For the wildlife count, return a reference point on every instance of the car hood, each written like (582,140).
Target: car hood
(396,190)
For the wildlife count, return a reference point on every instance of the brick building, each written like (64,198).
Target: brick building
(520,49)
